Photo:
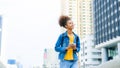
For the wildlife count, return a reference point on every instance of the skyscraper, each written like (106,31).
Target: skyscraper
(80,12)
(70,8)
(107,28)
(85,23)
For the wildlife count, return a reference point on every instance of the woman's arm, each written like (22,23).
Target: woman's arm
(77,44)
(58,44)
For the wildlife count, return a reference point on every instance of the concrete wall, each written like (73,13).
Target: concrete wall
(115,63)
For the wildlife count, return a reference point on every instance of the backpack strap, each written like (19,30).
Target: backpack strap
(77,39)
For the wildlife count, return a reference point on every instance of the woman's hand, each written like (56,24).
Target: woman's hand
(73,46)
(69,46)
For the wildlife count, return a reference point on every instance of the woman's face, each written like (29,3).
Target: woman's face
(69,25)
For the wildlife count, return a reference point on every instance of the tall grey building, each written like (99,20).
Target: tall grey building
(107,28)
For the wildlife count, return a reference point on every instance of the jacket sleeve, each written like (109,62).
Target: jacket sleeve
(77,45)
(58,44)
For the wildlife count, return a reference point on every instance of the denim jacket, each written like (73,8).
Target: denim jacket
(63,42)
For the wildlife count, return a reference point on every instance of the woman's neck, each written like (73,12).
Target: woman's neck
(69,32)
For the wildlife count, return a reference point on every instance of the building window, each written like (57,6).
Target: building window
(96,53)
(114,2)
(85,47)
(112,52)
(111,13)
(70,5)
(116,20)
(70,8)
(112,30)
(83,6)
(95,59)
(111,6)
(81,60)
(83,15)
(85,53)
(115,11)
(70,15)
(70,12)
(112,21)
(83,3)
(83,18)
(116,28)
(83,9)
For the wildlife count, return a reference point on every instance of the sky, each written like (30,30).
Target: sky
(28,27)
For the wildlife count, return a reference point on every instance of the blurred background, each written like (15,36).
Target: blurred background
(29,30)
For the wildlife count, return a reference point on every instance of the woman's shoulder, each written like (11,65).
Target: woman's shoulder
(75,34)
(63,34)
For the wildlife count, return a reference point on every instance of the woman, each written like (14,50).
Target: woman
(68,44)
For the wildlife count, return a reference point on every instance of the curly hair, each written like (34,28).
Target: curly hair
(63,20)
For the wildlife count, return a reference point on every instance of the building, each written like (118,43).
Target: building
(13,63)
(2,65)
(70,8)
(50,59)
(89,56)
(107,28)
(85,23)
(0,32)
(81,13)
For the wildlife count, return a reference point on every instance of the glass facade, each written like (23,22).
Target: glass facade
(106,20)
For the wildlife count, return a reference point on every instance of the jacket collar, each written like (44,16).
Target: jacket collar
(65,34)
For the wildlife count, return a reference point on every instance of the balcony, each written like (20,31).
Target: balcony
(115,63)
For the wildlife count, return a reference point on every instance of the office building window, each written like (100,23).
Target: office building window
(81,60)
(85,53)
(114,2)
(112,52)
(106,19)
(70,8)
(85,47)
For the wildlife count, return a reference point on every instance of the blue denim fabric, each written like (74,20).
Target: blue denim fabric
(61,45)
(68,64)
